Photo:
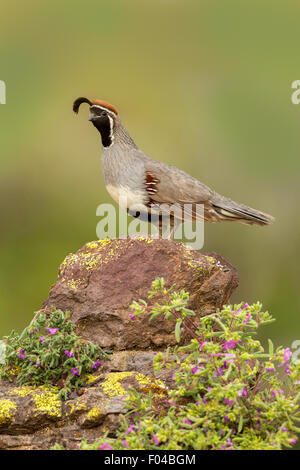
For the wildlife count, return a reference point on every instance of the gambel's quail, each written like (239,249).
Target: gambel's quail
(146,184)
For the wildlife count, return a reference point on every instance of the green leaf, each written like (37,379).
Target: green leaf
(177,330)
(271,347)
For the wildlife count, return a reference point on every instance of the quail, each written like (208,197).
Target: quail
(142,185)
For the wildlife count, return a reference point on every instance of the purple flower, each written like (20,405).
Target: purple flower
(96,365)
(131,316)
(276,392)
(42,339)
(155,440)
(228,402)
(69,353)
(245,305)
(75,371)
(187,421)
(131,428)
(226,419)
(231,344)
(248,317)
(22,354)
(195,370)
(293,441)
(229,358)
(284,429)
(204,401)
(270,369)
(202,344)
(105,446)
(243,393)
(53,331)
(287,354)
(287,369)
(125,443)
(38,363)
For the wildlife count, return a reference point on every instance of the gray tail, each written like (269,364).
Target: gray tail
(226,209)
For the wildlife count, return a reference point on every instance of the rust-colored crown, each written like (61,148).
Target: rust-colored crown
(105,105)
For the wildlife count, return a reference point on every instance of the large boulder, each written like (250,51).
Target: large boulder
(99,282)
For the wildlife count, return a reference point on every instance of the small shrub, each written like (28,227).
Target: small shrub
(228,392)
(49,352)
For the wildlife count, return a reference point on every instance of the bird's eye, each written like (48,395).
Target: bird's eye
(104,113)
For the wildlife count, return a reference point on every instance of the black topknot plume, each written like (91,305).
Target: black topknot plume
(78,102)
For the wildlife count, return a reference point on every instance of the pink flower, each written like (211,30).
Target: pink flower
(228,402)
(195,370)
(243,392)
(287,354)
(276,392)
(131,316)
(131,428)
(105,446)
(68,353)
(202,344)
(125,443)
(231,344)
(53,331)
(22,354)
(248,317)
(155,440)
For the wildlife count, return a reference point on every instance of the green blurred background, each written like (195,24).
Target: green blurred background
(203,85)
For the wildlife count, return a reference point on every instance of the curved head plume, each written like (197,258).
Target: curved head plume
(78,102)
(101,103)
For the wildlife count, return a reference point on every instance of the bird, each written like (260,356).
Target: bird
(153,190)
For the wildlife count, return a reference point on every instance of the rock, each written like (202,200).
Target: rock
(34,418)
(99,282)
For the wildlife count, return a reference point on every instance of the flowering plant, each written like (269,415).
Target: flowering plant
(228,393)
(49,352)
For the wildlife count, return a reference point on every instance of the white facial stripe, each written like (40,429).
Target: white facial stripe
(104,109)
(111,135)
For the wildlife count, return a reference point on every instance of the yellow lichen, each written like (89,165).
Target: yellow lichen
(21,391)
(90,378)
(77,407)
(6,407)
(112,386)
(74,283)
(151,384)
(147,240)
(94,414)
(48,403)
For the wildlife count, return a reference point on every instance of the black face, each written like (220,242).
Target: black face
(103,122)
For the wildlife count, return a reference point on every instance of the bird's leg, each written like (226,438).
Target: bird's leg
(166,226)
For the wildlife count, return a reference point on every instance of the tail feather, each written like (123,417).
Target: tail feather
(227,209)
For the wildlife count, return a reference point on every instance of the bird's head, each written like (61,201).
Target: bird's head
(103,116)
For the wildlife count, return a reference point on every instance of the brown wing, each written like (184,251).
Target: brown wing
(168,185)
